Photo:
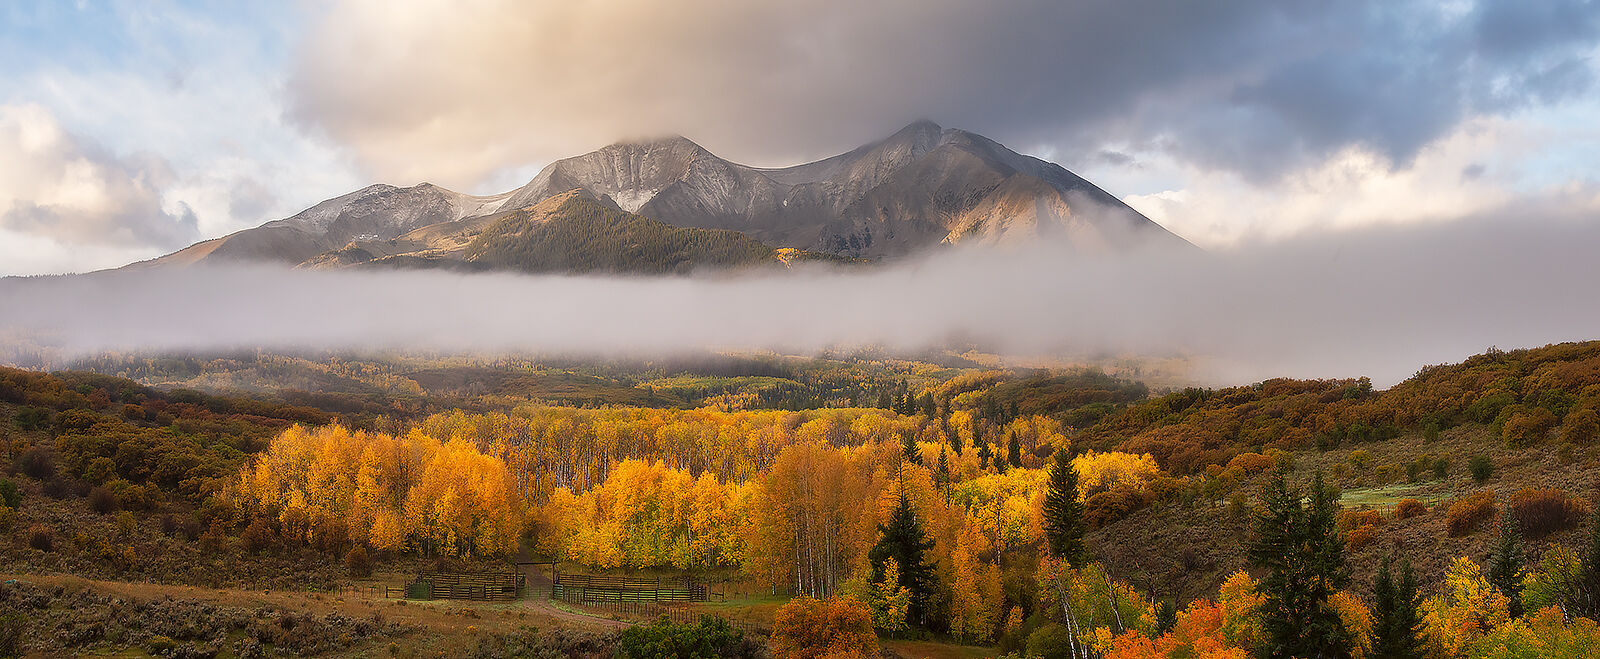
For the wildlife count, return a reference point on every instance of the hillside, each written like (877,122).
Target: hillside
(921,188)
(572,232)
(785,495)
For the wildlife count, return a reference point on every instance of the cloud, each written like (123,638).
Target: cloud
(1256,87)
(1380,302)
(1357,187)
(194,95)
(61,186)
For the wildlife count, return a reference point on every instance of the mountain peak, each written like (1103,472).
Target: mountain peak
(677,143)
(921,126)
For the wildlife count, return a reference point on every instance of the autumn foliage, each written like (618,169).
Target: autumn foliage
(391,493)
(1468,513)
(807,628)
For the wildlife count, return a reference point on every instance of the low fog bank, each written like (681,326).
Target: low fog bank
(1380,303)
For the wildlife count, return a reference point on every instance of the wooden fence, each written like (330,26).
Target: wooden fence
(601,588)
(486,586)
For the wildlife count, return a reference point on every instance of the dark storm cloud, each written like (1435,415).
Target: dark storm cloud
(1251,85)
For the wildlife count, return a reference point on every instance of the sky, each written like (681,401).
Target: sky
(130,129)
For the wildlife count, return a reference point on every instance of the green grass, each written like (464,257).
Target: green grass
(1390,495)
(935,650)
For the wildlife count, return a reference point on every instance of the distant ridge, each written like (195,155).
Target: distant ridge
(920,188)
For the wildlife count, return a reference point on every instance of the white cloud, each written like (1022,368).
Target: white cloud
(1485,165)
(57,185)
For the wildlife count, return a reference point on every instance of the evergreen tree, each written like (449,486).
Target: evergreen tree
(1299,546)
(1396,620)
(1587,590)
(883,400)
(1014,450)
(926,403)
(1063,513)
(1505,564)
(902,539)
(955,438)
(983,456)
(909,450)
(1166,616)
(941,474)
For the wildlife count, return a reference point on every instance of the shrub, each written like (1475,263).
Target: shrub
(32,418)
(1109,506)
(710,637)
(134,497)
(1051,641)
(1358,537)
(1528,427)
(1409,508)
(126,524)
(38,462)
(40,537)
(100,470)
(1581,426)
(1441,468)
(9,494)
(8,517)
(1481,467)
(102,501)
(806,628)
(1359,526)
(257,536)
(1567,453)
(1467,513)
(1359,458)
(358,561)
(1539,512)
(12,628)
(213,540)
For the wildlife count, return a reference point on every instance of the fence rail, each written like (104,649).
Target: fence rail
(486,586)
(601,588)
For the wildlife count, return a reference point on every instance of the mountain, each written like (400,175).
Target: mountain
(922,187)
(378,212)
(571,232)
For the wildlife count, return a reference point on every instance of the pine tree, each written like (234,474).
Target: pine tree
(902,539)
(1301,549)
(909,450)
(1587,590)
(883,400)
(984,454)
(1063,533)
(1014,450)
(926,403)
(941,474)
(1396,620)
(1063,513)
(955,438)
(1505,564)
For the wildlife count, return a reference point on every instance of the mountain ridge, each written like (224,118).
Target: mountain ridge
(922,187)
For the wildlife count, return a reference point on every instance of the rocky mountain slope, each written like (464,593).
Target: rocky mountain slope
(922,187)
(571,232)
